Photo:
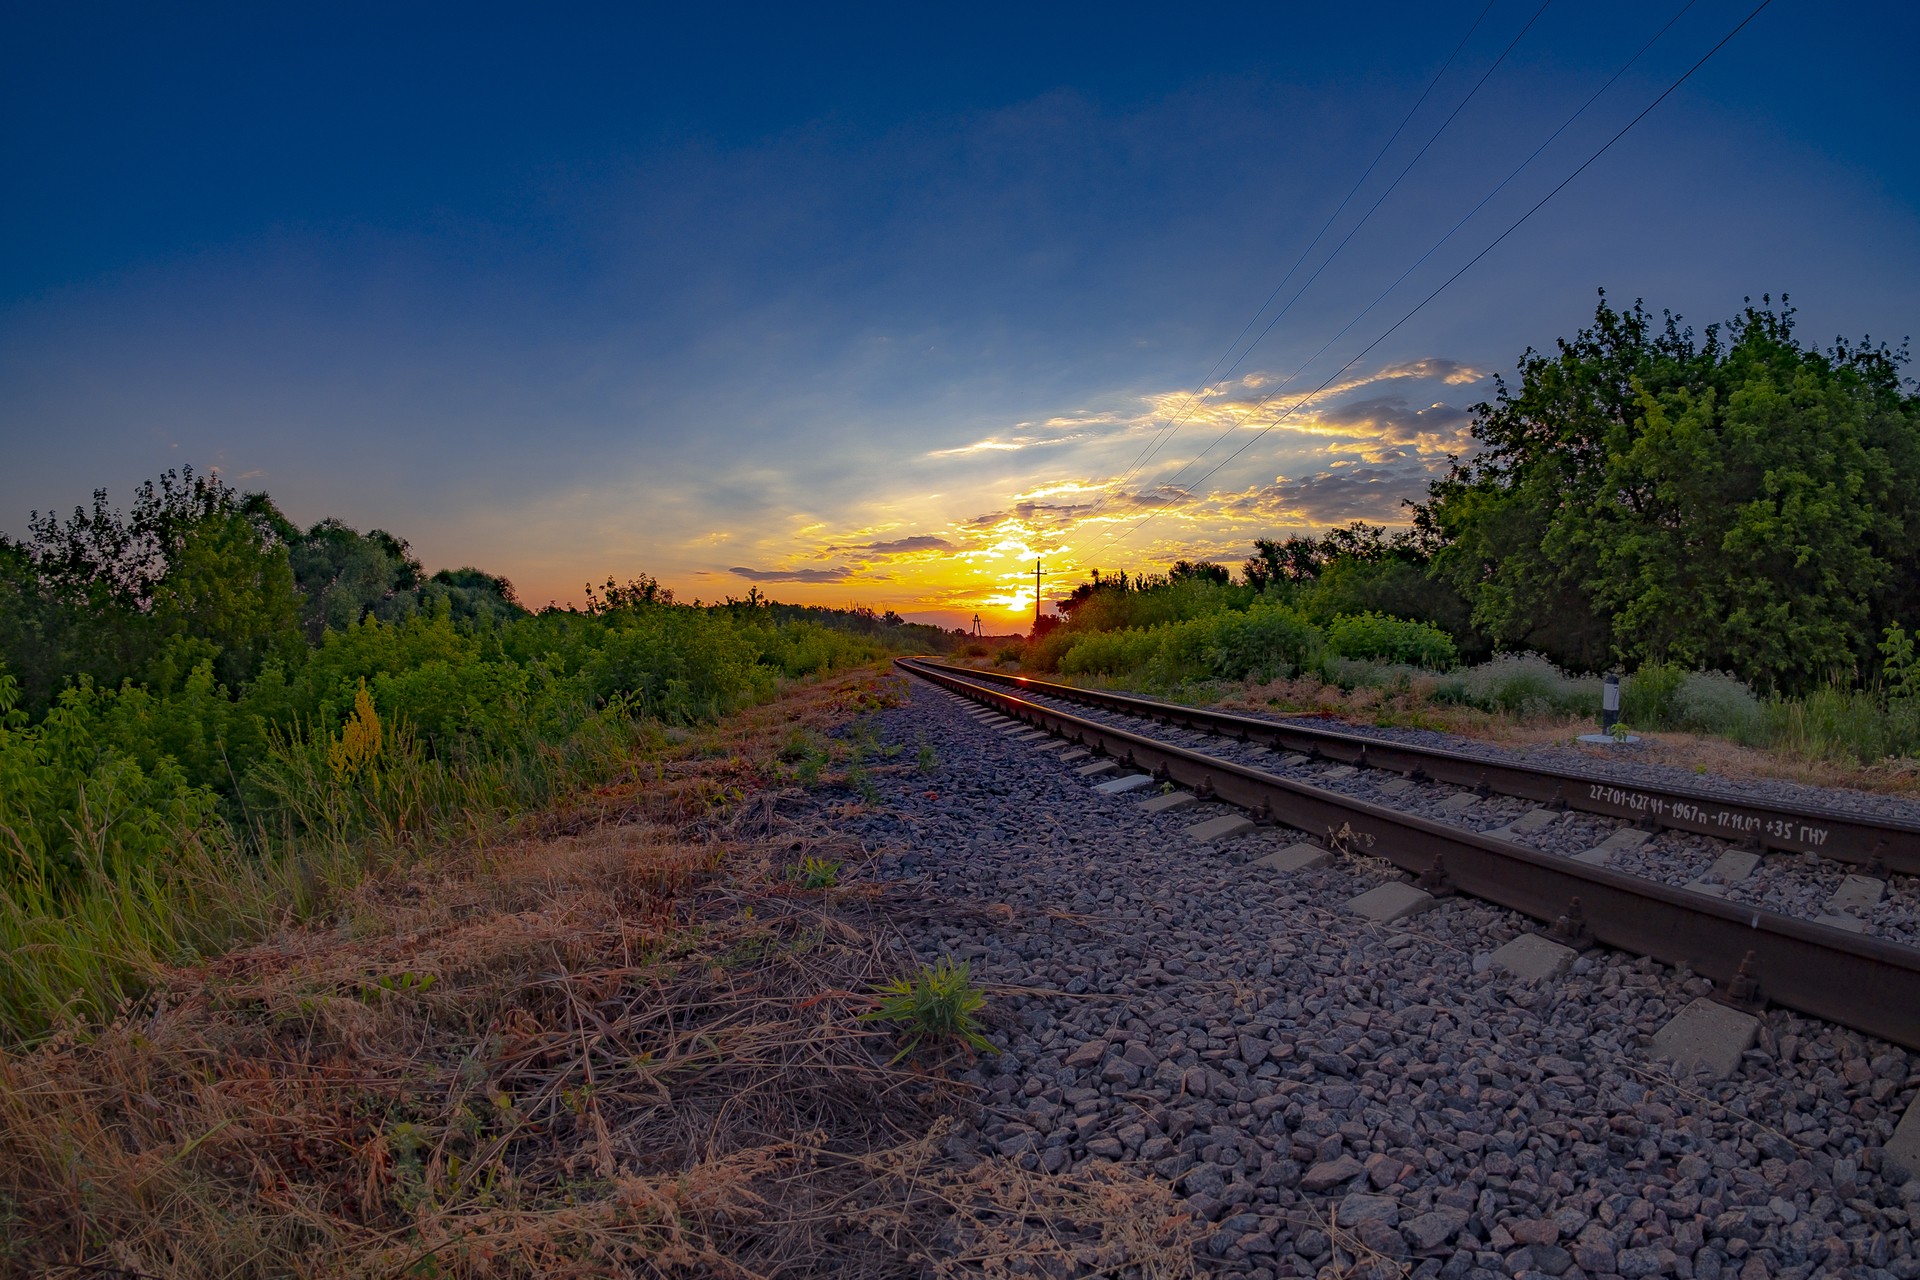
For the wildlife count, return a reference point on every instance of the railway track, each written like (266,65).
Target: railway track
(1877,845)
(1752,955)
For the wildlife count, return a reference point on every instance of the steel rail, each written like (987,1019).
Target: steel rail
(1749,954)
(1880,844)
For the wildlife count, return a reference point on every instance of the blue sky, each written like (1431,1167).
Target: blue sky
(874,306)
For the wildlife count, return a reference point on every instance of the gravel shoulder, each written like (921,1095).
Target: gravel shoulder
(1335,1097)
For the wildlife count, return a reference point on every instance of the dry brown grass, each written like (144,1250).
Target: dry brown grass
(623,1044)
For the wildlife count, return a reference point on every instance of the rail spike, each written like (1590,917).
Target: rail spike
(1877,863)
(1571,929)
(1743,989)
(1434,880)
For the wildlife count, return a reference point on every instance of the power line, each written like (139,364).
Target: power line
(1464,219)
(1421,305)
(1152,446)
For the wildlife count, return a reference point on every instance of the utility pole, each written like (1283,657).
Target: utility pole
(1036,597)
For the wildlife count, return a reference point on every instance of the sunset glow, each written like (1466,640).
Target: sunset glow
(885,331)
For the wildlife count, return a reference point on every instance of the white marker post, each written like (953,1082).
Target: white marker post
(1609,717)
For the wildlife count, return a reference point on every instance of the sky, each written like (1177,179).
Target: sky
(875,305)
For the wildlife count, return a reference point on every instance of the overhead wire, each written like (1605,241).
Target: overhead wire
(1445,284)
(1435,247)
(1152,446)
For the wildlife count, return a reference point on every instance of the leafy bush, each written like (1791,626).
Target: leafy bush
(1523,684)
(1648,696)
(1116,608)
(1266,642)
(1375,635)
(1111,653)
(1050,651)
(1717,703)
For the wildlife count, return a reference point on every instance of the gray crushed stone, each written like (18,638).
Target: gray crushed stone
(1337,1098)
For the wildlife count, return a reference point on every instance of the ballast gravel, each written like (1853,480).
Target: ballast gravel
(1797,885)
(1339,1098)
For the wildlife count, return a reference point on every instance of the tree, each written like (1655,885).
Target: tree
(1735,501)
(345,576)
(1296,559)
(193,571)
(474,596)
(1200,571)
(227,589)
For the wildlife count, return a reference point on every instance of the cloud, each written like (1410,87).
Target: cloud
(1012,444)
(1384,428)
(1333,497)
(841,574)
(901,546)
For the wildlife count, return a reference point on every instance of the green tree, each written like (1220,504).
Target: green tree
(229,587)
(192,572)
(345,576)
(473,596)
(1734,501)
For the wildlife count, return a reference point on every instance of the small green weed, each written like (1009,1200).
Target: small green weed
(861,781)
(816,872)
(928,761)
(407,983)
(938,1003)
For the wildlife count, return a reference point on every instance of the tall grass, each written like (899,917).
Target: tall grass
(112,874)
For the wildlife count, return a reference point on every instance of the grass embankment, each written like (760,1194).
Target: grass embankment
(628,1036)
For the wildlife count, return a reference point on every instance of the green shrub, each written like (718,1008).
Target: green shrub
(1376,635)
(1111,653)
(1049,652)
(815,872)
(1523,684)
(1264,643)
(1717,703)
(1648,697)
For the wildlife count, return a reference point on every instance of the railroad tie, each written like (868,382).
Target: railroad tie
(1224,827)
(1296,857)
(1533,958)
(1706,1035)
(1393,900)
(1903,1148)
(1625,840)
(1730,867)
(1530,823)
(1856,896)
(1171,800)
